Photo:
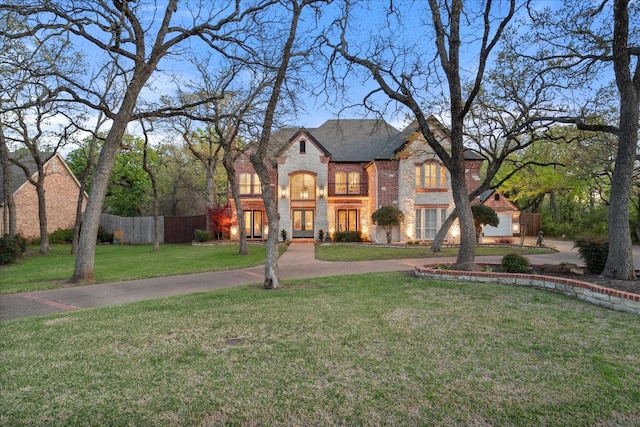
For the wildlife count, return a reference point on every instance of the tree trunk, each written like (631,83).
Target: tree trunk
(467,249)
(42,213)
(229,166)
(83,272)
(436,245)
(619,263)
(9,225)
(271,279)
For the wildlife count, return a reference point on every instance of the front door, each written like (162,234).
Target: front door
(303,223)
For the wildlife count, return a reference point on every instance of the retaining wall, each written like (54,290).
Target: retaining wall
(589,292)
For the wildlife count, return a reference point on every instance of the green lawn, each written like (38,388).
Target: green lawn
(349,252)
(377,349)
(116,263)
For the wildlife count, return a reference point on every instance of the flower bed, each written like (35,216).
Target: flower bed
(589,292)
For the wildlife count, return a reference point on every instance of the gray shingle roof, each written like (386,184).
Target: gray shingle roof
(347,140)
(17,174)
(359,140)
(353,140)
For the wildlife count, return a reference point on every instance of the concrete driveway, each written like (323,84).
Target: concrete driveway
(297,262)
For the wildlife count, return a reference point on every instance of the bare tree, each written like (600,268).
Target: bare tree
(407,75)
(260,158)
(125,33)
(9,224)
(27,111)
(148,166)
(580,41)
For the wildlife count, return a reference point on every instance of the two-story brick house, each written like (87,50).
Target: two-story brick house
(333,177)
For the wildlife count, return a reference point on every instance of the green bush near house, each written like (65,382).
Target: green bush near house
(347,236)
(594,252)
(11,248)
(61,236)
(514,263)
(202,235)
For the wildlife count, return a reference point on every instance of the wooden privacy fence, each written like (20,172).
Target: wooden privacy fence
(182,229)
(530,223)
(139,230)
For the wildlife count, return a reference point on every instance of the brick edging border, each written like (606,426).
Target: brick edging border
(585,291)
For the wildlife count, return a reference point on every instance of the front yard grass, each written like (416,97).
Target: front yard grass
(355,252)
(375,349)
(123,262)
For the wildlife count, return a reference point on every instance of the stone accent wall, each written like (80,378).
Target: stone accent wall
(61,198)
(589,292)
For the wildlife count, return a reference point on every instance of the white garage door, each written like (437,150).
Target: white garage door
(503,229)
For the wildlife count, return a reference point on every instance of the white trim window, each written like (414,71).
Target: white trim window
(431,175)
(249,184)
(428,222)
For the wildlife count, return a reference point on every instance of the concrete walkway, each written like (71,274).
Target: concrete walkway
(296,263)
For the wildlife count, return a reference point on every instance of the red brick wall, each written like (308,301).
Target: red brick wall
(347,167)
(387,183)
(61,198)
(472,175)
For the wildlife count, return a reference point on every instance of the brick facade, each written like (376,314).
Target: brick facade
(61,197)
(386,180)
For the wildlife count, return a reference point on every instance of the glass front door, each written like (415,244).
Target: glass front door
(253,224)
(303,223)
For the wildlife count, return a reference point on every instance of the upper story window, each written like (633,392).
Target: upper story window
(341,182)
(249,184)
(431,175)
(303,187)
(347,183)
(303,147)
(354,183)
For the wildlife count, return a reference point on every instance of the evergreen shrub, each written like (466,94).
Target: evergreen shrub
(514,263)
(594,252)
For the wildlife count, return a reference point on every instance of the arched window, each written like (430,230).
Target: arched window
(303,147)
(303,187)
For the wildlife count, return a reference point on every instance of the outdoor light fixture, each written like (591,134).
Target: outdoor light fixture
(321,191)
(283,192)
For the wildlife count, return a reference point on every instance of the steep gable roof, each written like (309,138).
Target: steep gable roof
(438,128)
(18,178)
(355,140)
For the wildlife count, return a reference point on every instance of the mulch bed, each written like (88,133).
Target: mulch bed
(577,273)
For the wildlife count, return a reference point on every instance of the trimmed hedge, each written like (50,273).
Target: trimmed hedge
(347,236)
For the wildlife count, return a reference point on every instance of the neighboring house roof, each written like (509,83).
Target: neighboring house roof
(18,178)
(485,195)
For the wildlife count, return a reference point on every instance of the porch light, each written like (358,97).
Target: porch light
(234,230)
(321,191)
(283,192)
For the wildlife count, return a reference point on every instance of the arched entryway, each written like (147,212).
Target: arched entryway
(303,203)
